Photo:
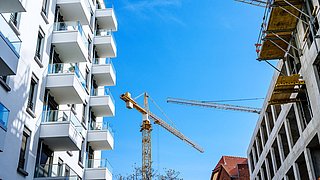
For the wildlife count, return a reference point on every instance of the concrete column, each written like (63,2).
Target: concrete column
(258,148)
(288,132)
(262,137)
(298,117)
(262,174)
(274,113)
(286,64)
(296,172)
(273,160)
(266,120)
(307,156)
(280,147)
(267,169)
(254,155)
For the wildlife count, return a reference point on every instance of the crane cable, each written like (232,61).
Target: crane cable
(162,112)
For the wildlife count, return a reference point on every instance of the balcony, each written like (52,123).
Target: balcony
(103,72)
(98,169)
(61,130)
(66,83)
(10,6)
(100,136)
(102,102)
(56,172)
(106,19)
(105,43)
(75,10)
(10,49)
(70,42)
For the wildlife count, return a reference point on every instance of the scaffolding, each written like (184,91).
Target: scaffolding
(285,87)
(277,29)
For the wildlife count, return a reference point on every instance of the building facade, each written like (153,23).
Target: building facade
(55,70)
(285,144)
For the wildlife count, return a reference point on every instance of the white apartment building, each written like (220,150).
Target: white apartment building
(55,70)
(285,144)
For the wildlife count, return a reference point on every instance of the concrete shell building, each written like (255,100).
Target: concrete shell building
(285,144)
(55,70)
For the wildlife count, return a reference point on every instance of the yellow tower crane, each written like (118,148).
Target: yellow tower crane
(146,129)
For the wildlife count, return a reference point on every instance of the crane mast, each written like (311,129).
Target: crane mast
(213,105)
(146,129)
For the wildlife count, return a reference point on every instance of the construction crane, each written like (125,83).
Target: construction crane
(259,3)
(146,129)
(213,105)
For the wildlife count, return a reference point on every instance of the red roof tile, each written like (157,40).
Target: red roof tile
(229,163)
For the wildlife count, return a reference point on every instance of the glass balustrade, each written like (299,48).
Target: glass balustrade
(9,36)
(67,68)
(55,171)
(71,26)
(99,163)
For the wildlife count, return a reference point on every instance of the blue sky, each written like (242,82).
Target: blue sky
(189,49)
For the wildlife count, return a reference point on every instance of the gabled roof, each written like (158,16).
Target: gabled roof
(230,164)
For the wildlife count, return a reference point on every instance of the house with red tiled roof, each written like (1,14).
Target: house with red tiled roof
(231,168)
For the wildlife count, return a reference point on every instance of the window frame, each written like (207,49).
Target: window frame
(33,91)
(39,46)
(4,125)
(22,167)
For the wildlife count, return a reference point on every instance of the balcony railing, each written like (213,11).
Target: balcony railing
(9,36)
(104,61)
(102,91)
(45,171)
(101,126)
(71,26)
(105,32)
(4,116)
(99,163)
(63,116)
(67,68)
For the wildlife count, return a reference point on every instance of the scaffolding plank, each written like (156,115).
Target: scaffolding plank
(271,51)
(284,87)
(283,22)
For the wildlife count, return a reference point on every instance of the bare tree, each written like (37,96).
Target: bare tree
(169,174)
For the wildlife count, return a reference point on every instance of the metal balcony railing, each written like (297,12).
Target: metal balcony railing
(104,61)
(71,26)
(99,163)
(102,91)
(53,116)
(105,32)
(67,68)
(9,36)
(55,171)
(101,126)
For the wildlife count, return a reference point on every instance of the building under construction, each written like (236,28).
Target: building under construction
(285,143)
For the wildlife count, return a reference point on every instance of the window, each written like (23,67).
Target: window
(39,46)
(15,19)
(4,115)
(84,113)
(32,93)
(60,167)
(81,152)
(45,7)
(4,78)
(24,151)
(4,82)
(87,78)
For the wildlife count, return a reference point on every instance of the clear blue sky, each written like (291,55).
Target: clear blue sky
(189,49)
